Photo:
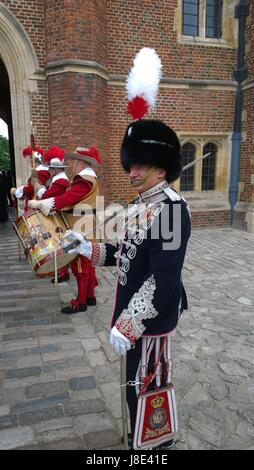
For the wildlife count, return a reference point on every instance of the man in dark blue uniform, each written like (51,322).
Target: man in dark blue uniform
(150,295)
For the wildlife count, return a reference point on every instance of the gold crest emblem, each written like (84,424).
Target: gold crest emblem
(157,402)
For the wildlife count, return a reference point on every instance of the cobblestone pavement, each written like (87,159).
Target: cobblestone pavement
(59,378)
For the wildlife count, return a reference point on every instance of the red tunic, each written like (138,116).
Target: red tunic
(76,193)
(56,188)
(81,266)
(43,176)
(28,189)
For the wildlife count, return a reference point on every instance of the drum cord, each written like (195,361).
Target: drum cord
(55,260)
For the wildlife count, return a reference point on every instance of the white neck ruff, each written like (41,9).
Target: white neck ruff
(88,172)
(61,175)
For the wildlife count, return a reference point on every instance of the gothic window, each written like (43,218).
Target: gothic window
(187,178)
(203,19)
(190,17)
(209,167)
(213,18)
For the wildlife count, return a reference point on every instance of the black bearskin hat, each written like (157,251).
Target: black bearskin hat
(153,143)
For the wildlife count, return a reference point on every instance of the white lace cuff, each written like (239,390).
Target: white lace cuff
(140,308)
(19,192)
(40,192)
(99,254)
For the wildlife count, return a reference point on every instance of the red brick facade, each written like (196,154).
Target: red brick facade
(85,49)
(247,154)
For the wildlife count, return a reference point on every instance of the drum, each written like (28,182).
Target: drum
(41,238)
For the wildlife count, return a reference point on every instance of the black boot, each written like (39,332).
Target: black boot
(72,308)
(91,301)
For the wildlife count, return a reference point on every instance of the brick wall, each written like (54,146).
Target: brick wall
(30,13)
(81,108)
(40,115)
(183,110)
(152,24)
(135,24)
(247,149)
(76,29)
(210,219)
(79,119)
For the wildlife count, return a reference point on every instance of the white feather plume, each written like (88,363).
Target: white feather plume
(144,77)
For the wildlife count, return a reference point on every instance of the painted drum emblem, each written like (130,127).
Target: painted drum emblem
(158,418)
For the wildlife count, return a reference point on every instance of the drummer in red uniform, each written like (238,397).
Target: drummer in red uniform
(83,186)
(54,158)
(26,191)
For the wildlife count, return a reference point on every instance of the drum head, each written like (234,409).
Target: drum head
(41,237)
(46,267)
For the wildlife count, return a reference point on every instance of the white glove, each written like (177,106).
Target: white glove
(13,191)
(119,342)
(33,204)
(85,248)
(44,206)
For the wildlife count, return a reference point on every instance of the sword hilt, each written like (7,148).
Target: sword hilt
(71,246)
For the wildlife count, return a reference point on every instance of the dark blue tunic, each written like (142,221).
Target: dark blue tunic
(150,295)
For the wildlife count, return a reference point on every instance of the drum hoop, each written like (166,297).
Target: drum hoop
(44,260)
(21,217)
(51,273)
(18,234)
(54,251)
(28,228)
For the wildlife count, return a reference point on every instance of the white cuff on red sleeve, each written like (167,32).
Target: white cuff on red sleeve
(19,192)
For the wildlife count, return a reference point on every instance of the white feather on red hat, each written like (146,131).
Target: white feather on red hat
(143,82)
(90,155)
(54,157)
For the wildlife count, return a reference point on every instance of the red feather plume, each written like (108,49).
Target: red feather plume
(54,152)
(27,151)
(137,107)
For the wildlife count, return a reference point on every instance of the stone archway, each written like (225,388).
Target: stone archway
(5,113)
(20,61)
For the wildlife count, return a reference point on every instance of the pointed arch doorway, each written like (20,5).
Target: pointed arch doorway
(19,63)
(5,113)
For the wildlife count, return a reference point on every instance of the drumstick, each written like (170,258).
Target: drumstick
(16,208)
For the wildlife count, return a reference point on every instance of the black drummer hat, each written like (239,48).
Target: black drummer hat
(148,141)
(153,143)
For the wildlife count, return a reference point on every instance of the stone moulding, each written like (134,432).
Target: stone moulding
(20,60)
